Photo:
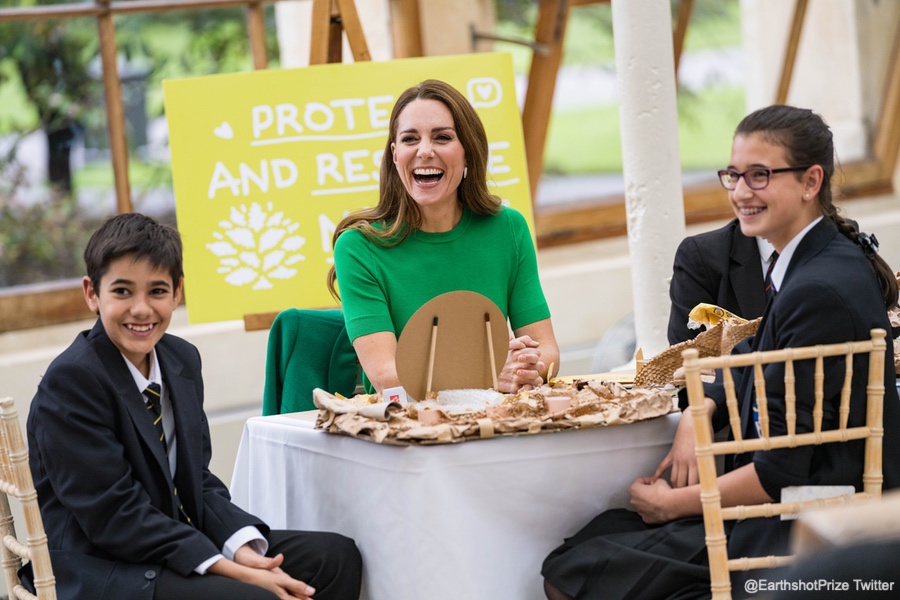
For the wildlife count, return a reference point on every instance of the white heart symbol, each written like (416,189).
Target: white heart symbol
(484,90)
(224,131)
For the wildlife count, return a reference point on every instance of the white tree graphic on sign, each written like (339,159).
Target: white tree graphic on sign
(257,245)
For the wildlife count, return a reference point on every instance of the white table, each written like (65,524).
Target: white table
(472,520)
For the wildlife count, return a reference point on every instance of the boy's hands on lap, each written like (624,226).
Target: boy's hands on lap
(262,571)
(248,557)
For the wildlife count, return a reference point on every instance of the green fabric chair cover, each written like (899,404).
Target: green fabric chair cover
(307,349)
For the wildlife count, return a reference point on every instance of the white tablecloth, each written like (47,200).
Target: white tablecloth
(472,520)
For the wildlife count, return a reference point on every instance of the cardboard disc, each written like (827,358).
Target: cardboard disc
(461,357)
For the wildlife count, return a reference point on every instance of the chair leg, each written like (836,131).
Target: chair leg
(9,561)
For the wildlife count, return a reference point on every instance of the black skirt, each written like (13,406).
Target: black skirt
(618,556)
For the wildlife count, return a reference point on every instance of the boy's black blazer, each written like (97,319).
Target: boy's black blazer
(720,267)
(102,476)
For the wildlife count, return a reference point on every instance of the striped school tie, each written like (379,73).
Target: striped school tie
(154,400)
(770,288)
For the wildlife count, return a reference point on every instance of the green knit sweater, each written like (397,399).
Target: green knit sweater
(381,287)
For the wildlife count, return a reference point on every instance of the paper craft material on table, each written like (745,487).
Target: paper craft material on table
(444,345)
(447,358)
(666,367)
(626,378)
(590,403)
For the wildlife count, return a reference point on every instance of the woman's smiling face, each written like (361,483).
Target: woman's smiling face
(785,206)
(428,154)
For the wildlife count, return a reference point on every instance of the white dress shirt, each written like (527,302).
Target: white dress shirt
(765,253)
(784,259)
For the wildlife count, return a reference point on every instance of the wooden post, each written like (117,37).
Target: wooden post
(407,28)
(550,30)
(330,19)
(256,32)
(349,19)
(322,46)
(685,8)
(790,53)
(115,113)
(886,146)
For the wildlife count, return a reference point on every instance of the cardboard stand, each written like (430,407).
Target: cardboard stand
(460,358)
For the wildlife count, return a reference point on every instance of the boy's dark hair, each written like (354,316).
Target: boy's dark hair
(139,236)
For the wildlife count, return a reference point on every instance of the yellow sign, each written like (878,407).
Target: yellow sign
(265,164)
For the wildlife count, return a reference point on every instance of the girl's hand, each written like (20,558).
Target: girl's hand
(652,499)
(681,457)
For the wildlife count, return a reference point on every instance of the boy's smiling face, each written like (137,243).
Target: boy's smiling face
(135,301)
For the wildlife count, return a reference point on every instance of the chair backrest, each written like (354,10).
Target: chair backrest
(307,349)
(16,482)
(706,450)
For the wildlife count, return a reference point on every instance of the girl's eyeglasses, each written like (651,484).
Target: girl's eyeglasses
(756,178)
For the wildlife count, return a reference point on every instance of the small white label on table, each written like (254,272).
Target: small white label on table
(395,394)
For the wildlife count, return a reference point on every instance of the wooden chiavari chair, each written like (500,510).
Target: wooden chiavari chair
(16,482)
(714,515)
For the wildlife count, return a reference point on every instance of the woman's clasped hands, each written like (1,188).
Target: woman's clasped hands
(523,367)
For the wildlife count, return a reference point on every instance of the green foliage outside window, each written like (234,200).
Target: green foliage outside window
(49,81)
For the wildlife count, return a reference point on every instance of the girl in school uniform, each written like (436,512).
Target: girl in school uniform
(829,286)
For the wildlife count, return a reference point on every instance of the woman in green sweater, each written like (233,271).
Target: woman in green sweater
(437,229)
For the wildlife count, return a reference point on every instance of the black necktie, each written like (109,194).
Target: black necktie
(154,401)
(770,288)
(770,293)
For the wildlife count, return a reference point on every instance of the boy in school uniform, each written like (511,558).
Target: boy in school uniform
(119,450)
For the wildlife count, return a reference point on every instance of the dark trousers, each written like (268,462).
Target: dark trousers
(328,562)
